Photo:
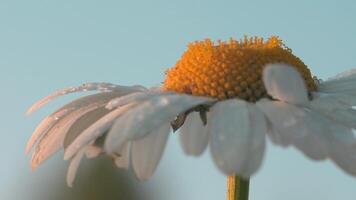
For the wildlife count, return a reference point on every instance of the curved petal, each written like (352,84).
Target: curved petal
(315,135)
(95,130)
(133,97)
(147,152)
(45,125)
(193,135)
(83,123)
(149,115)
(53,139)
(73,167)
(104,87)
(237,131)
(285,83)
(53,119)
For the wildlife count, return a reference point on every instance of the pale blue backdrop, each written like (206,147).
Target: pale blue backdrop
(45,45)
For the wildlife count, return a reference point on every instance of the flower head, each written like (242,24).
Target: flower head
(228,96)
(231,69)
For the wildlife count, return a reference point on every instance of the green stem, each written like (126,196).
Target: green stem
(238,188)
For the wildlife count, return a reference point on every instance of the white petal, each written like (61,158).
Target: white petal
(315,143)
(147,152)
(53,139)
(306,131)
(342,148)
(193,135)
(105,87)
(274,135)
(327,104)
(44,127)
(237,131)
(285,83)
(335,110)
(342,87)
(95,130)
(344,75)
(93,151)
(53,119)
(148,116)
(344,84)
(345,158)
(73,167)
(133,97)
(123,160)
(333,99)
(284,119)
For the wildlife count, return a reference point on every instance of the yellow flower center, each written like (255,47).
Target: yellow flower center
(231,69)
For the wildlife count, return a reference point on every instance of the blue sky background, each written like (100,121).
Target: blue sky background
(45,45)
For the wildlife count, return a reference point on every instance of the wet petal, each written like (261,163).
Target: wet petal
(133,97)
(45,125)
(104,87)
(95,130)
(53,139)
(148,116)
(53,119)
(147,152)
(237,131)
(285,83)
(193,135)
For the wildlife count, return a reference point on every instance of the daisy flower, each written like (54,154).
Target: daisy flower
(228,95)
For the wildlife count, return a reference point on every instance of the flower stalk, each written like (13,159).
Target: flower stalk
(237,188)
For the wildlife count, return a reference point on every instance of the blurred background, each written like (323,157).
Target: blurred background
(46,45)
